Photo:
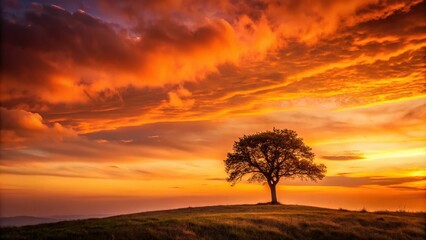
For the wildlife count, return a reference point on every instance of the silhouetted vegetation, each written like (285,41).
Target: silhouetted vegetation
(271,155)
(235,222)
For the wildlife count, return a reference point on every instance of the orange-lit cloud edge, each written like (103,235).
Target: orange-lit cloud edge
(107,110)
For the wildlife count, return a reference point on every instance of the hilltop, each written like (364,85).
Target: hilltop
(235,222)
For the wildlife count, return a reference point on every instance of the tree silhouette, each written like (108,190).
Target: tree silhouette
(271,155)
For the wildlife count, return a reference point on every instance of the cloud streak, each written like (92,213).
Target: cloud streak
(348,156)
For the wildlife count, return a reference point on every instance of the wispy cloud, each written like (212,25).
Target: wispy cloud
(346,156)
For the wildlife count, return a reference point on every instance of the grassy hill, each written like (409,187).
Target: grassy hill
(235,222)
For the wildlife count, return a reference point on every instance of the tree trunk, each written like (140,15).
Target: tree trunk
(273,193)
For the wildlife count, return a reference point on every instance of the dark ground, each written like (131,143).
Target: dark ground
(235,222)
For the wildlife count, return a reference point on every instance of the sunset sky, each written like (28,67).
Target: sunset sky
(111,107)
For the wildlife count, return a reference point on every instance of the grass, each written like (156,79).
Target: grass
(235,222)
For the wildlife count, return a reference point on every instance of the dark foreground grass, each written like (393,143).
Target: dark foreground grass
(235,222)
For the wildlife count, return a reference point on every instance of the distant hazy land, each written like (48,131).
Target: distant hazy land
(18,221)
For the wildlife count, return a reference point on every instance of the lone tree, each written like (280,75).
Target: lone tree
(268,156)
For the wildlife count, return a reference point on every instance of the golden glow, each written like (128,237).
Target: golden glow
(139,117)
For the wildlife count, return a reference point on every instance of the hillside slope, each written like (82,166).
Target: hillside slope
(235,222)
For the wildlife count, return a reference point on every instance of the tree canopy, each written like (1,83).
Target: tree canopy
(271,155)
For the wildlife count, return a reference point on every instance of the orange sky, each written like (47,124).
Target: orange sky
(111,107)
